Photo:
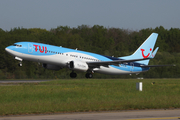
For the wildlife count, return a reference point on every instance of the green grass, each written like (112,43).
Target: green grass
(88,95)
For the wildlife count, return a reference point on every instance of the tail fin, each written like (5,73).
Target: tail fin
(145,50)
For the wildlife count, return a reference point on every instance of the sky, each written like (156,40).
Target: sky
(124,14)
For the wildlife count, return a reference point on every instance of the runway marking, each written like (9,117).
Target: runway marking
(165,118)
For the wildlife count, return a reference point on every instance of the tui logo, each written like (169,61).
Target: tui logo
(145,56)
(40,49)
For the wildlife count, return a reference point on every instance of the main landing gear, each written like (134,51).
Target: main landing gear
(74,75)
(89,75)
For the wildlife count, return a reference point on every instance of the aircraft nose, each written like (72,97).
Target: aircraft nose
(10,50)
(7,49)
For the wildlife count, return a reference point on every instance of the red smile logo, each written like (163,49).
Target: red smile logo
(147,54)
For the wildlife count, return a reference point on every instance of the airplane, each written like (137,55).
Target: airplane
(58,57)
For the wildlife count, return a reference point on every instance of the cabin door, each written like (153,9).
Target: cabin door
(131,67)
(30,48)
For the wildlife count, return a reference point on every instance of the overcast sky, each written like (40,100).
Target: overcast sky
(126,14)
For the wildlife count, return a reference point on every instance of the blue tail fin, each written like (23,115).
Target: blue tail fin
(145,50)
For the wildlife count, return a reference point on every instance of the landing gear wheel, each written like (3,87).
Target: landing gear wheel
(73,75)
(89,75)
(20,64)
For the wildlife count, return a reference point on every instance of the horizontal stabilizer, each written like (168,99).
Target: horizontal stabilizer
(157,65)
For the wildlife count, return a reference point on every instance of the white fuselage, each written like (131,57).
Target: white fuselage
(62,56)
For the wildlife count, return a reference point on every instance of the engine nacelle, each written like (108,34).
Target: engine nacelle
(78,65)
(51,67)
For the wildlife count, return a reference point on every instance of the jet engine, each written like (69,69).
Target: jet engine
(78,65)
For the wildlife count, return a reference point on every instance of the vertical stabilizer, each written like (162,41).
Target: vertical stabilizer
(145,50)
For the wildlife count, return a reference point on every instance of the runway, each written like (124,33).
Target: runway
(114,115)
(109,115)
(21,81)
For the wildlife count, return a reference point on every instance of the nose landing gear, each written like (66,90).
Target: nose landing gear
(20,64)
(19,59)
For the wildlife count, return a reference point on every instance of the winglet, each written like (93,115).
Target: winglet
(154,53)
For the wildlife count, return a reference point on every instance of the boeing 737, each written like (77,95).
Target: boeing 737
(56,58)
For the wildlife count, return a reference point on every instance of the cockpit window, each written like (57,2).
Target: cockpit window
(17,45)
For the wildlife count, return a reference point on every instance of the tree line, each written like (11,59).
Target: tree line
(97,39)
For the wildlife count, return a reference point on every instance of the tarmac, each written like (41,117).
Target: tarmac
(109,115)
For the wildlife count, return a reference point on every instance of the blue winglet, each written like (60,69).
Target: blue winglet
(154,53)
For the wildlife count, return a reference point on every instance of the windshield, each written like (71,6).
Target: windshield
(17,45)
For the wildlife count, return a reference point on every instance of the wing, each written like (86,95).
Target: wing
(114,62)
